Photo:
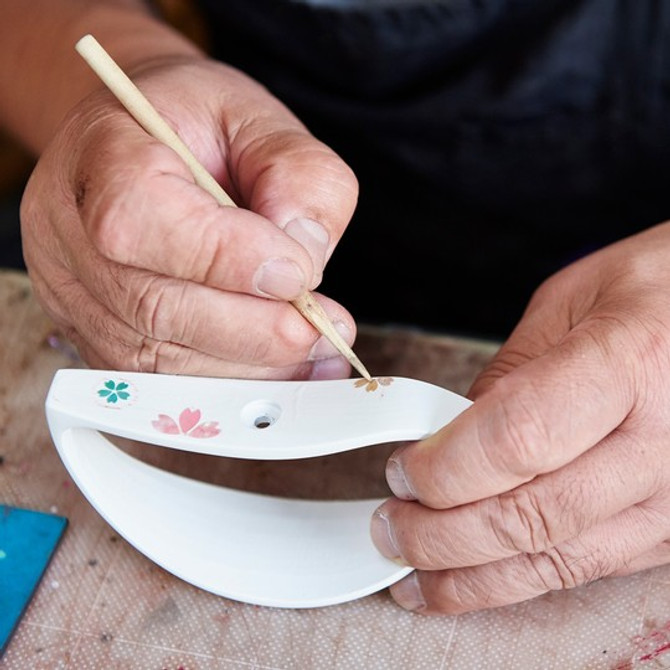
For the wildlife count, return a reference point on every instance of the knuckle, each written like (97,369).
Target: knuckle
(333,179)
(557,569)
(213,259)
(291,155)
(158,357)
(224,251)
(156,307)
(346,180)
(206,264)
(521,523)
(147,356)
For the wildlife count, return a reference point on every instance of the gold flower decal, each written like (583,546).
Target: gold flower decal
(373,384)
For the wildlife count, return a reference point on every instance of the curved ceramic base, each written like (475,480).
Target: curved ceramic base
(249,547)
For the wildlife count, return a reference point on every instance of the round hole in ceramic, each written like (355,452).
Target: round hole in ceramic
(260,414)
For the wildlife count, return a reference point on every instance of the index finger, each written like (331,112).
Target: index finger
(140,207)
(533,420)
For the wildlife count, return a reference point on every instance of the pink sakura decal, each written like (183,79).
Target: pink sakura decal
(188,424)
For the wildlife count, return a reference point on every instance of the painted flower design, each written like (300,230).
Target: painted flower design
(373,384)
(186,424)
(114,391)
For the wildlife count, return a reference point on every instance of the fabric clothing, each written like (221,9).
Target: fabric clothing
(11,253)
(494,140)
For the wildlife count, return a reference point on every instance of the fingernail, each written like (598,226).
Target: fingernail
(323,348)
(397,480)
(383,536)
(280,278)
(407,593)
(330,368)
(314,237)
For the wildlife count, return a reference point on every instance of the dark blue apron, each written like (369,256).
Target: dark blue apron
(494,140)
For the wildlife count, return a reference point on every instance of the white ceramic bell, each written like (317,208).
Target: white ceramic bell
(254,548)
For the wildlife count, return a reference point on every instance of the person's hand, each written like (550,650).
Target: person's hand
(143,270)
(559,473)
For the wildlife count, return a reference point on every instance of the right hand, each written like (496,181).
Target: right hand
(143,270)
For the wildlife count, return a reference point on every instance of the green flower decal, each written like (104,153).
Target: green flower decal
(114,391)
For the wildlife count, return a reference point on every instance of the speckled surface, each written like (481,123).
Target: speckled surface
(103,605)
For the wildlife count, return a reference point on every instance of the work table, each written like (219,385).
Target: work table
(101,604)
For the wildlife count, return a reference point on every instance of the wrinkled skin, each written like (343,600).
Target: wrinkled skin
(143,270)
(559,473)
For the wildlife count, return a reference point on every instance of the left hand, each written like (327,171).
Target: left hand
(559,473)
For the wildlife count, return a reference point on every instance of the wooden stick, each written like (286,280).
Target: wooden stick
(146,115)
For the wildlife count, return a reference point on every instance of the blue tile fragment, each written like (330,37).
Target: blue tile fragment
(28,540)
